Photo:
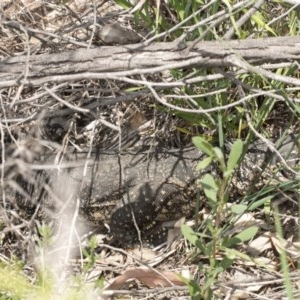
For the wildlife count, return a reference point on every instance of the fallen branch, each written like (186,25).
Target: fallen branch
(113,61)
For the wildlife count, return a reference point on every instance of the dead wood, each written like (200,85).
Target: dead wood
(116,61)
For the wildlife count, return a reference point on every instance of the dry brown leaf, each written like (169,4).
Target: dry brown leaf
(259,245)
(174,234)
(291,248)
(149,256)
(145,255)
(148,277)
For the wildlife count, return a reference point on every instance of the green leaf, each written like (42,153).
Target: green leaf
(203,145)
(218,153)
(246,235)
(258,18)
(231,15)
(260,202)
(235,154)
(238,209)
(194,287)
(189,234)
(203,164)
(267,210)
(183,130)
(228,173)
(123,3)
(210,187)
(226,262)
(134,88)
(220,156)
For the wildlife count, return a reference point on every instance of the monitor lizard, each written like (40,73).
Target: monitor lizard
(139,191)
(134,192)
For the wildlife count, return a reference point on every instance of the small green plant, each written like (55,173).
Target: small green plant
(89,253)
(13,284)
(214,241)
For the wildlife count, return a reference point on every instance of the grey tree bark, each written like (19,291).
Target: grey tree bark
(125,60)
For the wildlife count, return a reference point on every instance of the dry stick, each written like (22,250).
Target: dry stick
(213,54)
(209,28)
(177,26)
(40,95)
(238,62)
(39,34)
(94,25)
(132,95)
(26,67)
(237,285)
(270,93)
(152,292)
(155,58)
(228,35)
(65,112)
(140,262)
(111,75)
(18,121)
(201,111)
(75,108)
(215,92)
(216,18)
(270,146)
(287,13)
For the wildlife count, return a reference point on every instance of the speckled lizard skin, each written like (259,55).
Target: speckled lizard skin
(147,187)
(153,187)
(141,190)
